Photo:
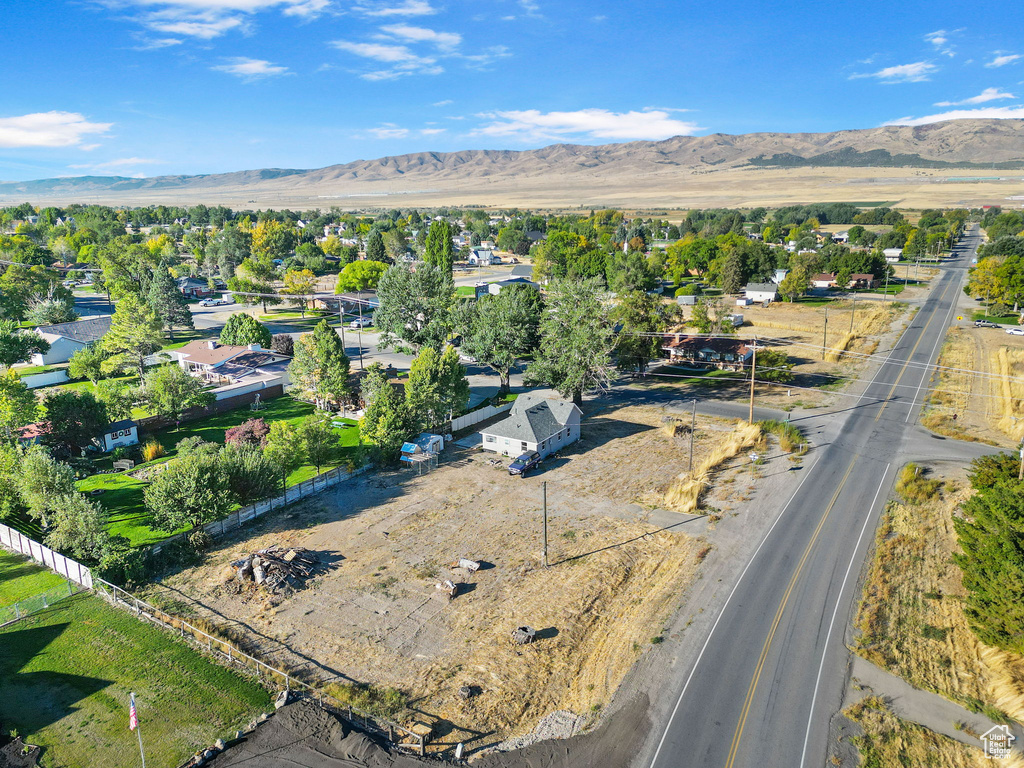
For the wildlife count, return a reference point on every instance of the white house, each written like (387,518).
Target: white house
(118,435)
(761,292)
(892,255)
(483,257)
(235,370)
(823,280)
(67,338)
(534,424)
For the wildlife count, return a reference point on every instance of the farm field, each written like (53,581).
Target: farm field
(66,672)
(615,577)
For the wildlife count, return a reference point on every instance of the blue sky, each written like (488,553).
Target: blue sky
(148,87)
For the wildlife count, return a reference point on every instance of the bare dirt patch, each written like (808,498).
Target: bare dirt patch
(377,618)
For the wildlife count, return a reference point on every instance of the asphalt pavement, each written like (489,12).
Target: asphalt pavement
(762,686)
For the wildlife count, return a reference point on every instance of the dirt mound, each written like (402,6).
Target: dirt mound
(304,734)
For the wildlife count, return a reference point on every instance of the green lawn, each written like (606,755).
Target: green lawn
(465,290)
(981,314)
(65,676)
(21,578)
(122,496)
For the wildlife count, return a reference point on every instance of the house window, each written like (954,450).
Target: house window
(543,444)
(488,438)
(524,445)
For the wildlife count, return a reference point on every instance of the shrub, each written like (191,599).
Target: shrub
(123,564)
(195,444)
(690,289)
(914,486)
(250,474)
(384,702)
(123,452)
(791,439)
(251,432)
(152,451)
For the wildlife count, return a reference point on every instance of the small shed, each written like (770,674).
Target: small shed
(892,255)
(118,435)
(423,449)
(761,292)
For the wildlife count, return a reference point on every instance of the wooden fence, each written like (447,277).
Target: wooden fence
(65,566)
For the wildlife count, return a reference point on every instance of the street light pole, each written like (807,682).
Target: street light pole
(693,426)
(753,372)
(824,335)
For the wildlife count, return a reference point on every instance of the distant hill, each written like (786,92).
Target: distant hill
(567,171)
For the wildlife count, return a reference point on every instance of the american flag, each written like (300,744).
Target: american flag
(133,717)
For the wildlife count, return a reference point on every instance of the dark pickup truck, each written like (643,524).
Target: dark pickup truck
(525,462)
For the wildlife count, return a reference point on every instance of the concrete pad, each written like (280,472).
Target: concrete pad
(470,441)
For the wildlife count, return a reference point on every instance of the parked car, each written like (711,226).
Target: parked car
(361,322)
(213,302)
(1015,331)
(985,324)
(524,463)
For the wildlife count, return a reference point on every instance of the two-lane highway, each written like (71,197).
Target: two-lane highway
(771,672)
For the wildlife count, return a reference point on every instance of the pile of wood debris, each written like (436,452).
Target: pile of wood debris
(277,569)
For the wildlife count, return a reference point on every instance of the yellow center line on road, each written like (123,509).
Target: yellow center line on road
(778,618)
(803,559)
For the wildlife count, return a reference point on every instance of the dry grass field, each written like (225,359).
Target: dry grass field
(911,620)
(377,618)
(981,381)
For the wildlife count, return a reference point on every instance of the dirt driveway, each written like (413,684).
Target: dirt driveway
(619,564)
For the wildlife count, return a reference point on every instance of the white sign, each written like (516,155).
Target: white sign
(997,742)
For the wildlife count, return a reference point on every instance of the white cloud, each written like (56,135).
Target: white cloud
(902,73)
(940,40)
(207,19)
(1009,113)
(446,41)
(442,103)
(530,7)
(487,56)
(1004,59)
(388,131)
(431,131)
(155,44)
(989,94)
(534,125)
(251,68)
(48,129)
(404,61)
(597,19)
(406,8)
(122,162)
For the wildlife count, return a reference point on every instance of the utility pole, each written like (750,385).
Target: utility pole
(341,319)
(693,426)
(853,312)
(544,490)
(824,334)
(885,293)
(753,372)
(359,302)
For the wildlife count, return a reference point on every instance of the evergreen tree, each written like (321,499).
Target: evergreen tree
(375,250)
(17,345)
(320,366)
(440,249)
(242,330)
(168,302)
(135,333)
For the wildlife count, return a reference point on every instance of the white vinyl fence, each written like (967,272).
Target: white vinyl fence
(45,556)
(480,414)
(34,380)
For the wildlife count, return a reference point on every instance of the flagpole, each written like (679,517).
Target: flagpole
(138,729)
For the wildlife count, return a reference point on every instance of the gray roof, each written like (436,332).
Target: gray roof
(762,287)
(533,419)
(85,331)
(123,424)
(522,270)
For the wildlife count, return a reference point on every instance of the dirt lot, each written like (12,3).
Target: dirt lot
(981,381)
(377,618)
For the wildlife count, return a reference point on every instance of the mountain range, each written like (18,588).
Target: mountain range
(580,171)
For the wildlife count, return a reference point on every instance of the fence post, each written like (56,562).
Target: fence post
(17,612)
(423,746)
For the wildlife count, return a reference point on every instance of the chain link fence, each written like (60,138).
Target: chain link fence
(19,610)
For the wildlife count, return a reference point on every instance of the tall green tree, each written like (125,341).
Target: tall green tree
(576,340)
(251,473)
(320,366)
(135,333)
(73,418)
(43,483)
(375,250)
(386,424)
(242,330)
(285,449)
(169,391)
(87,363)
(440,248)
(499,331)
(168,302)
(18,406)
(991,536)
(78,528)
(17,345)
(10,471)
(643,319)
(192,491)
(117,398)
(319,440)
(437,388)
(360,276)
(415,307)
